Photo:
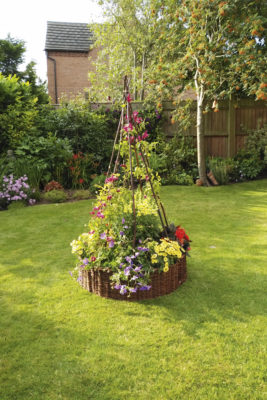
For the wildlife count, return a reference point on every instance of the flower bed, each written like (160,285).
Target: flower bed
(98,281)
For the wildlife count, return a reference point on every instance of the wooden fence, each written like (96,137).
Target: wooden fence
(225,131)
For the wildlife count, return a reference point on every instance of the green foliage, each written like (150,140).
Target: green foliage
(49,154)
(126,44)
(221,169)
(86,130)
(249,164)
(256,143)
(11,55)
(175,161)
(17,111)
(81,195)
(54,196)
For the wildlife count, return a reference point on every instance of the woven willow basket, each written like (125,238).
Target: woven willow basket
(98,281)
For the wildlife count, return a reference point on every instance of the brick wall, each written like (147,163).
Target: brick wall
(71,72)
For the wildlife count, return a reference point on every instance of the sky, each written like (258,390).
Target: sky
(27,20)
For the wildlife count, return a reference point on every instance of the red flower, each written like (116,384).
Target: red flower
(81,180)
(75,156)
(181,235)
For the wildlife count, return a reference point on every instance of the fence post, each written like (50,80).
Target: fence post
(231,129)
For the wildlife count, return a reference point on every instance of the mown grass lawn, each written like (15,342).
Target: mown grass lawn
(204,341)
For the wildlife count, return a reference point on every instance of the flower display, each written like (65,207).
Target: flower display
(128,234)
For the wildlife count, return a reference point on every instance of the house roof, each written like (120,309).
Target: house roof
(68,36)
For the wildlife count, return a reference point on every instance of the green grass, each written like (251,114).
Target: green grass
(204,341)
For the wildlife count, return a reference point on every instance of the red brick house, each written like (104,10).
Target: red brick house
(68,46)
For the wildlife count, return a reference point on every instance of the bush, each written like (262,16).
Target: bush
(18,111)
(53,185)
(81,195)
(256,143)
(175,160)
(55,196)
(47,155)
(221,168)
(249,164)
(87,131)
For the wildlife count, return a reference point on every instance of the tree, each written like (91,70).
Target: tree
(11,55)
(216,47)
(125,46)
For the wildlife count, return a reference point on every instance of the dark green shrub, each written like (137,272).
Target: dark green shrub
(88,131)
(249,164)
(47,157)
(256,143)
(55,196)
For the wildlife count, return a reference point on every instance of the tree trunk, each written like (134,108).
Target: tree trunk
(200,142)
(134,75)
(142,78)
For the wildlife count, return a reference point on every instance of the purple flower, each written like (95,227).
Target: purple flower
(127,271)
(133,290)
(103,236)
(128,259)
(126,226)
(123,289)
(145,287)
(111,244)
(123,221)
(117,286)
(134,277)
(137,269)
(86,261)
(70,273)
(121,233)
(142,249)
(79,278)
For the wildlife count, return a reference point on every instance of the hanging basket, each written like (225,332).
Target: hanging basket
(98,281)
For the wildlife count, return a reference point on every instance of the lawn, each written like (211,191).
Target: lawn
(204,341)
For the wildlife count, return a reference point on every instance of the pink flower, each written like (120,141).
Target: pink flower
(128,98)
(93,258)
(92,213)
(147,178)
(109,197)
(128,127)
(113,178)
(145,135)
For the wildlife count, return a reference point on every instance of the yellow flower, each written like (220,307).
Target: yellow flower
(166,268)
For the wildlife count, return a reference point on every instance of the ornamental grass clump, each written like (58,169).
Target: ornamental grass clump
(128,233)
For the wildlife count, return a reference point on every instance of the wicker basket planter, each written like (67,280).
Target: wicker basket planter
(98,281)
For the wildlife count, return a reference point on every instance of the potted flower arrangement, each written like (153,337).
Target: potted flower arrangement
(129,250)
